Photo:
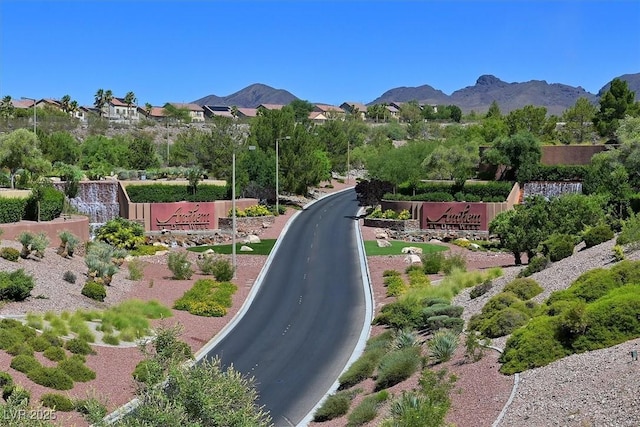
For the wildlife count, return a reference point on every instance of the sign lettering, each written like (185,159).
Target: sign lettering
(455,216)
(183,216)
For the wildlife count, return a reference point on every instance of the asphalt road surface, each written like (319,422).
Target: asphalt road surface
(307,316)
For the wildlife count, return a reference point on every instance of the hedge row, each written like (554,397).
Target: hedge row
(440,192)
(14,209)
(163,193)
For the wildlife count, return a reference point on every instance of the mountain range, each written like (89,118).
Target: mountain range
(556,97)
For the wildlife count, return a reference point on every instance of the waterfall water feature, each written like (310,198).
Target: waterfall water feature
(97,199)
(550,189)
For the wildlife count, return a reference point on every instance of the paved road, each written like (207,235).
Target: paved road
(305,320)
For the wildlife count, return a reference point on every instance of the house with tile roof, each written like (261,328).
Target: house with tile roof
(355,108)
(330,111)
(119,112)
(196,112)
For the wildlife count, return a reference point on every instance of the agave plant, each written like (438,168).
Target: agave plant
(405,338)
(443,345)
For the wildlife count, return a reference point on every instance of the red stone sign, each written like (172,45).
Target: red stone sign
(454,216)
(183,216)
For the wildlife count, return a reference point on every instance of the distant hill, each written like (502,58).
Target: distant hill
(556,97)
(250,97)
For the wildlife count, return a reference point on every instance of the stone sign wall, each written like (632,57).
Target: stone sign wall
(454,216)
(187,216)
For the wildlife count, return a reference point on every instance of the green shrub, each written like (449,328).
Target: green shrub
(51,204)
(5,379)
(9,338)
(24,363)
(443,345)
(180,266)
(618,253)
(78,346)
(523,288)
(55,353)
(503,323)
(598,234)
(454,262)
(336,405)
(359,371)
(442,309)
(207,298)
(388,273)
(94,290)
(499,302)
(395,286)
(432,262)
(148,371)
(481,289)
(76,369)
(594,284)
(12,209)
(630,233)
(54,378)
(16,393)
(92,408)
(367,410)
(57,402)
(220,268)
(435,323)
(121,233)
(558,246)
(145,250)
(69,277)
(536,264)
(52,339)
(163,193)
(15,286)
(400,315)
(20,348)
(110,339)
(136,269)
(10,254)
(397,365)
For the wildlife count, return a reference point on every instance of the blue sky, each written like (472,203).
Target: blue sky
(320,51)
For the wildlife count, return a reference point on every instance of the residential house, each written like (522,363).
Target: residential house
(355,108)
(156,113)
(271,106)
(330,111)
(196,112)
(217,111)
(317,117)
(118,111)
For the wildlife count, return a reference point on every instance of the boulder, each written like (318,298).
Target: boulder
(245,248)
(412,259)
(411,250)
(383,243)
(435,241)
(382,235)
(251,239)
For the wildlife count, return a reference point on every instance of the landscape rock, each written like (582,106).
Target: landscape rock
(411,250)
(412,259)
(383,243)
(245,248)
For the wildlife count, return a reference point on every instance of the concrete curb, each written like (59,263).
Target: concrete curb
(516,382)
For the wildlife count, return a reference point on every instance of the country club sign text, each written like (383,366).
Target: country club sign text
(454,216)
(183,216)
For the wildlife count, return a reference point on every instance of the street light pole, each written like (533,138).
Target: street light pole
(34,112)
(233,215)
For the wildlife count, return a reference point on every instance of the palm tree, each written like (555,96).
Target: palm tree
(64,103)
(108,96)
(147,108)
(99,101)
(130,99)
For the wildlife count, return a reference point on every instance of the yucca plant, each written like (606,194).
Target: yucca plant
(405,338)
(25,238)
(39,244)
(443,345)
(68,243)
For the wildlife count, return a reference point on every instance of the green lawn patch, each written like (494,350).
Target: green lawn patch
(372,249)
(262,248)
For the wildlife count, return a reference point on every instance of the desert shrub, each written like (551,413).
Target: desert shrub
(502,323)
(57,401)
(16,393)
(92,409)
(523,288)
(367,409)
(428,302)
(558,246)
(499,302)
(618,253)
(481,289)
(9,338)
(432,262)
(68,243)
(395,286)
(418,279)
(15,286)
(388,273)
(54,378)
(110,339)
(593,284)
(52,338)
(5,379)
(359,371)
(12,209)
(144,250)
(207,298)
(630,233)
(474,348)
(435,323)
(56,354)
(121,233)
(136,269)
(397,365)
(336,405)
(405,338)
(443,345)
(598,234)
(24,363)
(22,347)
(10,254)
(148,371)
(400,314)
(69,277)
(180,266)
(78,346)
(94,290)
(76,369)
(220,268)
(454,262)
(442,309)
(51,203)
(536,264)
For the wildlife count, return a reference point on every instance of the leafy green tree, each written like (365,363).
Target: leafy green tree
(456,113)
(529,118)
(628,131)
(301,110)
(378,112)
(59,146)
(410,112)
(494,111)
(578,121)
(100,151)
(617,102)
(6,107)
(19,150)
(457,162)
(520,153)
(176,114)
(142,152)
